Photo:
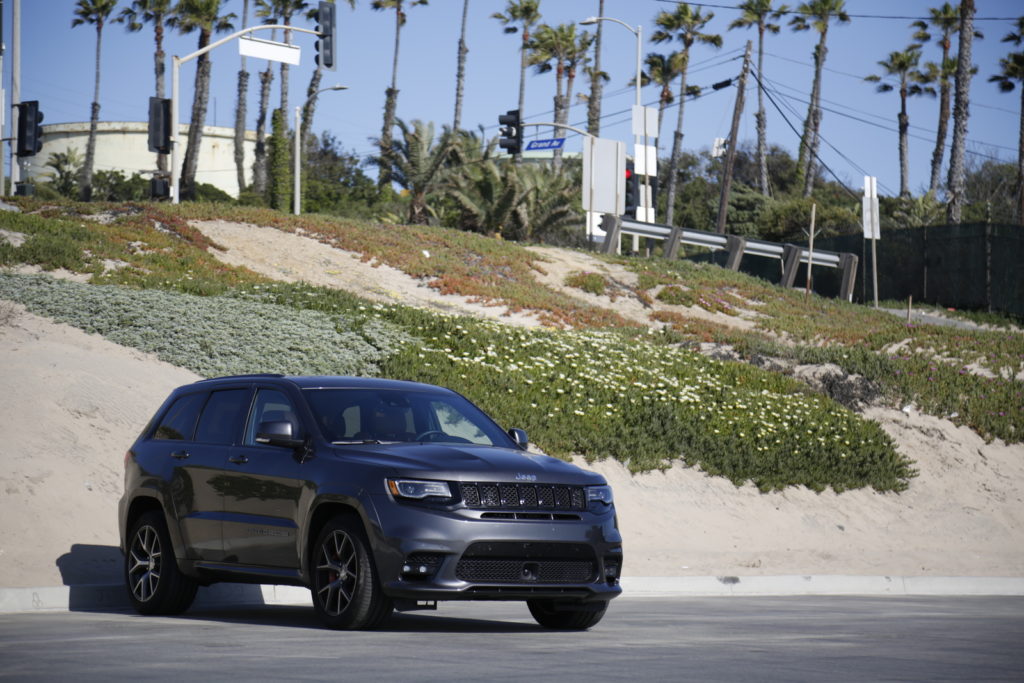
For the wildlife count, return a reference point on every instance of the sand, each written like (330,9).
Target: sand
(73,403)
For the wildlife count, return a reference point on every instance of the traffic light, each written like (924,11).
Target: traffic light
(632,190)
(30,129)
(511,132)
(325,46)
(160,125)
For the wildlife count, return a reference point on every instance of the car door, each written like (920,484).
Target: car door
(261,489)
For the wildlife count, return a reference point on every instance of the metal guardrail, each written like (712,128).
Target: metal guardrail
(791,255)
(713,240)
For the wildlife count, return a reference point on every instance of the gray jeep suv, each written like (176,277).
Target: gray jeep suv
(375,494)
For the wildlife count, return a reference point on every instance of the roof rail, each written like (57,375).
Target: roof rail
(250,376)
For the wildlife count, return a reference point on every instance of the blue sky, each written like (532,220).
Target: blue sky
(858,126)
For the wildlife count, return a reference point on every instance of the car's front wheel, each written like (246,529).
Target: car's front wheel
(550,614)
(345,587)
(155,585)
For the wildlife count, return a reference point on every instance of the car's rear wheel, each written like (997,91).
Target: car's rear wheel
(346,589)
(550,614)
(155,585)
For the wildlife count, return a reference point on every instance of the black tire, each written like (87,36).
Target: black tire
(566,618)
(155,584)
(343,577)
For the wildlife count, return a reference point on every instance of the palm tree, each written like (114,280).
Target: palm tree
(559,49)
(416,162)
(259,167)
(391,95)
(281,12)
(946,19)
(686,25)
(460,69)
(95,12)
(816,14)
(240,102)
(155,12)
(964,71)
(1013,71)
(67,166)
(903,65)
(662,70)
(203,16)
(759,13)
(490,197)
(526,13)
(596,79)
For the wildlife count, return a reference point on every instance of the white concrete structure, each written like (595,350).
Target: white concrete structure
(123,146)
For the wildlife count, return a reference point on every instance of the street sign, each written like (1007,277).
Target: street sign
(645,121)
(869,209)
(555,143)
(604,175)
(269,49)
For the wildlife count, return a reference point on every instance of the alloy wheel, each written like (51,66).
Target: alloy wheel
(145,560)
(337,572)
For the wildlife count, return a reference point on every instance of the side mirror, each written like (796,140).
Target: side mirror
(519,436)
(277,434)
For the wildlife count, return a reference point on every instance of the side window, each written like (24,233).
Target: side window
(179,421)
(271,406)
(223,416)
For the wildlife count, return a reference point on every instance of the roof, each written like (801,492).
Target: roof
(336,382)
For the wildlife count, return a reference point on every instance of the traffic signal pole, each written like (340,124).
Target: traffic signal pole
(176,63)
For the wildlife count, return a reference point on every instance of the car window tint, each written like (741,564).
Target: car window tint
(180,420)
(222,418)
(453,423)
(271,406)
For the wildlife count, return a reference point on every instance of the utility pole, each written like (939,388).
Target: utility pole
(3,110)
(730,155)
(15,88)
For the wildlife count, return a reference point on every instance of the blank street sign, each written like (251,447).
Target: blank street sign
(269,49)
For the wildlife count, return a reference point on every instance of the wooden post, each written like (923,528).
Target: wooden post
(730,155)
(810,254)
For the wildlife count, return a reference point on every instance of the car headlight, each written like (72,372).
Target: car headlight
(601,493)
(418,489)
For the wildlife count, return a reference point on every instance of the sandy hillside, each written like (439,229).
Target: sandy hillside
(74,402)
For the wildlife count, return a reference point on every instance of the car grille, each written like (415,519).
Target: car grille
(523,496)
(525,563)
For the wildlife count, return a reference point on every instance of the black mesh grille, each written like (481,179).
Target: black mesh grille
(523,496)
(431,560)
(519,571)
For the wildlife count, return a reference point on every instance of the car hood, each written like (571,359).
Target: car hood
(457,462)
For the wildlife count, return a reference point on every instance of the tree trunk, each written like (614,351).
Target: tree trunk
(195,127)
(677,144)
(240,109)
(284,72)
(85,189)
(762,144)
(460,69)
(259,167)
(159,58)
(960,114)
(940,135)
(561,113)
(596,83)
(809,141)
(1020,164)
(311,99)
(390,104)
(904,125)
(518,156)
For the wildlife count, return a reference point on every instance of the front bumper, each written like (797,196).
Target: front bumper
(470,558)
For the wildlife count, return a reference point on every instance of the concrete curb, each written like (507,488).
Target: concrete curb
(113,597)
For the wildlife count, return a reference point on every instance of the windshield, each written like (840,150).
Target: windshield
(348,416)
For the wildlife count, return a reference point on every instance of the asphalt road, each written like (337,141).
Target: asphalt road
(677,639)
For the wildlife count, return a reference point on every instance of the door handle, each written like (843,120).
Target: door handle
(179,455)
(238,459)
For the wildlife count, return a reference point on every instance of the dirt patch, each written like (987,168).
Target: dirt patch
(291,257)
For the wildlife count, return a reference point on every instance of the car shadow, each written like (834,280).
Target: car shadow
(297,616)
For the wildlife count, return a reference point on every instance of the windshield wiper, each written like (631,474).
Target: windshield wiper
(354,442)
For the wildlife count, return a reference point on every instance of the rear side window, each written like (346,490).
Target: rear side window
(223,417)
(179,421)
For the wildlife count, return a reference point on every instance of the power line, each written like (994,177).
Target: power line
(852,16)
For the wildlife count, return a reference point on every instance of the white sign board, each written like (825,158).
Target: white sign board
(645,121)
(604,176)
(869,209)
(269,49)
(645,159)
